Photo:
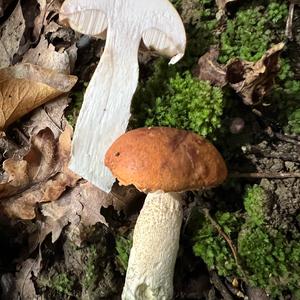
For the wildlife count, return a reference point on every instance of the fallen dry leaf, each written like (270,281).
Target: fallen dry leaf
(24,87)
(41,176)
(11,33)
(40,19)
(222,3)
(209,69)
(79,208)
(21,286)
(44,55)
(252,81)
(51,114)
(38,164)
(48,11)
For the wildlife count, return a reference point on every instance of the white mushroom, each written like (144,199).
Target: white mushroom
(163,162)
(105,111)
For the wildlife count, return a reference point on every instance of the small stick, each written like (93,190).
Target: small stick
(222,233)
(284,156)
(265,175)
(289,22)
(283,137)
(293,137)
(287,139)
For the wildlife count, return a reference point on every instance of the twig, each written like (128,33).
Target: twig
(286,138)
(222,233)
(265,175)
(293,137)
(21,136)
(284,156)
(289,22)
(283,137)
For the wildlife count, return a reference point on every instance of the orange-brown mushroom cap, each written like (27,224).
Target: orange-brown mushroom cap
(165,159)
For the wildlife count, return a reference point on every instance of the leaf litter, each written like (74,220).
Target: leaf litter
(35,182)
(250,80)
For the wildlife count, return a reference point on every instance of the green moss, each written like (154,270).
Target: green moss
(267,257)
(199,18)
(123,246)
(285,97)
(188,104)
(90,275)
(75,106)
(255,203)
(270,260)
(212,248)
(62,284)
(252,31)
(293,125)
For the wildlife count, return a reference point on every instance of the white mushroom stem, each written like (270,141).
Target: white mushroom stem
(106,109)
(155,245)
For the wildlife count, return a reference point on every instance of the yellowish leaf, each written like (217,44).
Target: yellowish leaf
(24,87)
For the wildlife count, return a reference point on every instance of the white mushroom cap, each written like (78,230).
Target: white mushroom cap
(156,21)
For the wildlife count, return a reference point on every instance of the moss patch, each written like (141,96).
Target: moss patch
(189,104)
(267,257)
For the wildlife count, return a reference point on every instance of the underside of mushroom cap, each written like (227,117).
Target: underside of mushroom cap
(89,18)
(165,159)
(166,33)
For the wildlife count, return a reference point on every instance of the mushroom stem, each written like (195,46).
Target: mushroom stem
(155,245)
(106,108)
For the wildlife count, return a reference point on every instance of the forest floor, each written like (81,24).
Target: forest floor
(238,85)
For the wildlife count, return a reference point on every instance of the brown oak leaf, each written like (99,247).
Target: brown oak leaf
(24,87)
(222,3)
(209,69)
(41,176)
(252,81)
(78,208)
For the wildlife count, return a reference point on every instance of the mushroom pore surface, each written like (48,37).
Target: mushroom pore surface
(165,159)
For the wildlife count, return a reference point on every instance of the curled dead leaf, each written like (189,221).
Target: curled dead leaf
(209,69)
(79,208)
(37,165)
(41,176)
(24,87)
(48,11)
(252,81)
(222,3)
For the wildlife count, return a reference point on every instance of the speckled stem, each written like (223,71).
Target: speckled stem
(155,245)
